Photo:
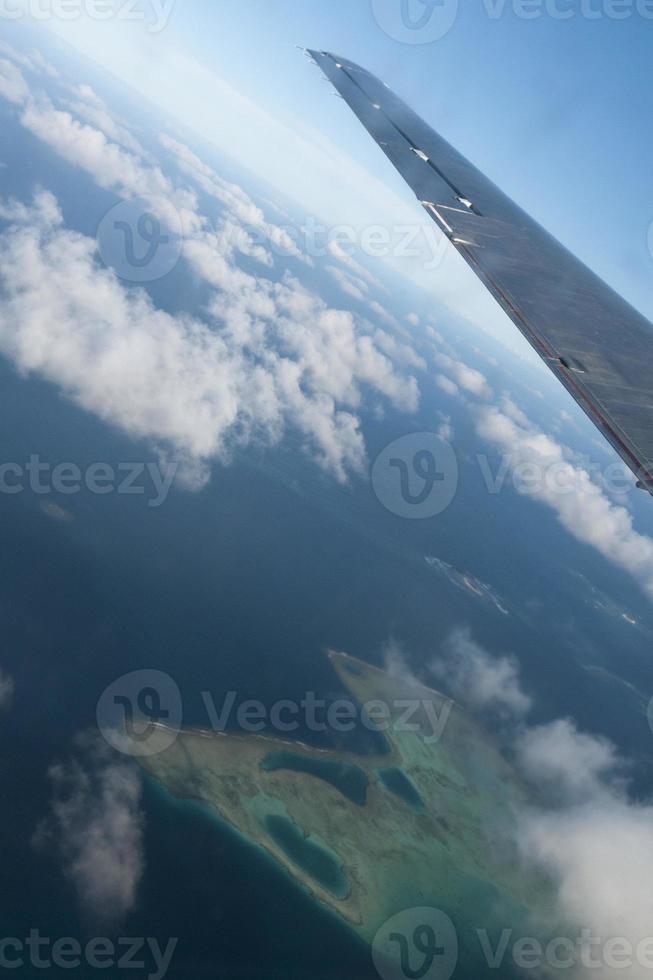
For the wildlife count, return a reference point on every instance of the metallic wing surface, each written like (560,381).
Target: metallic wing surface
(595,343)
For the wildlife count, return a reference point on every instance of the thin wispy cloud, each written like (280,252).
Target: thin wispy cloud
(95,827)
(479,680)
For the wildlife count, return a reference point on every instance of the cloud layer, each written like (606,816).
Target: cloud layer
(265,355)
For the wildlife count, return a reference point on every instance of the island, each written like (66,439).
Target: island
(425,822)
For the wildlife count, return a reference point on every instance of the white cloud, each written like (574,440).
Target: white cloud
(585,835)
(399,352)
(111,166)
(447,385)
(465,376)
(44,210)
(88,148)
(281,358)
(581,832)
(233,197)
(479,680)
(13,86)
(349,284)
(582,507)
(596,846)
(601,857)
(96,826)
(568,762)
(89,106)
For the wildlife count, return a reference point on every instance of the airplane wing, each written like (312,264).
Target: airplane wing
(595,343)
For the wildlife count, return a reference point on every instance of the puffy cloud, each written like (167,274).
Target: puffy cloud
(89,106)
(447,385)
(465,376)
(476,678)
(569,763)
(13,86)
(95,148)
(44,211)
(568,489)
(581,830)
(111,166)
(281,358)
(595,844)
(399,352)
(602,859)
(86,147)
(96,826)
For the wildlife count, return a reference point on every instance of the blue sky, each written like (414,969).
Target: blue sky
(556,111)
